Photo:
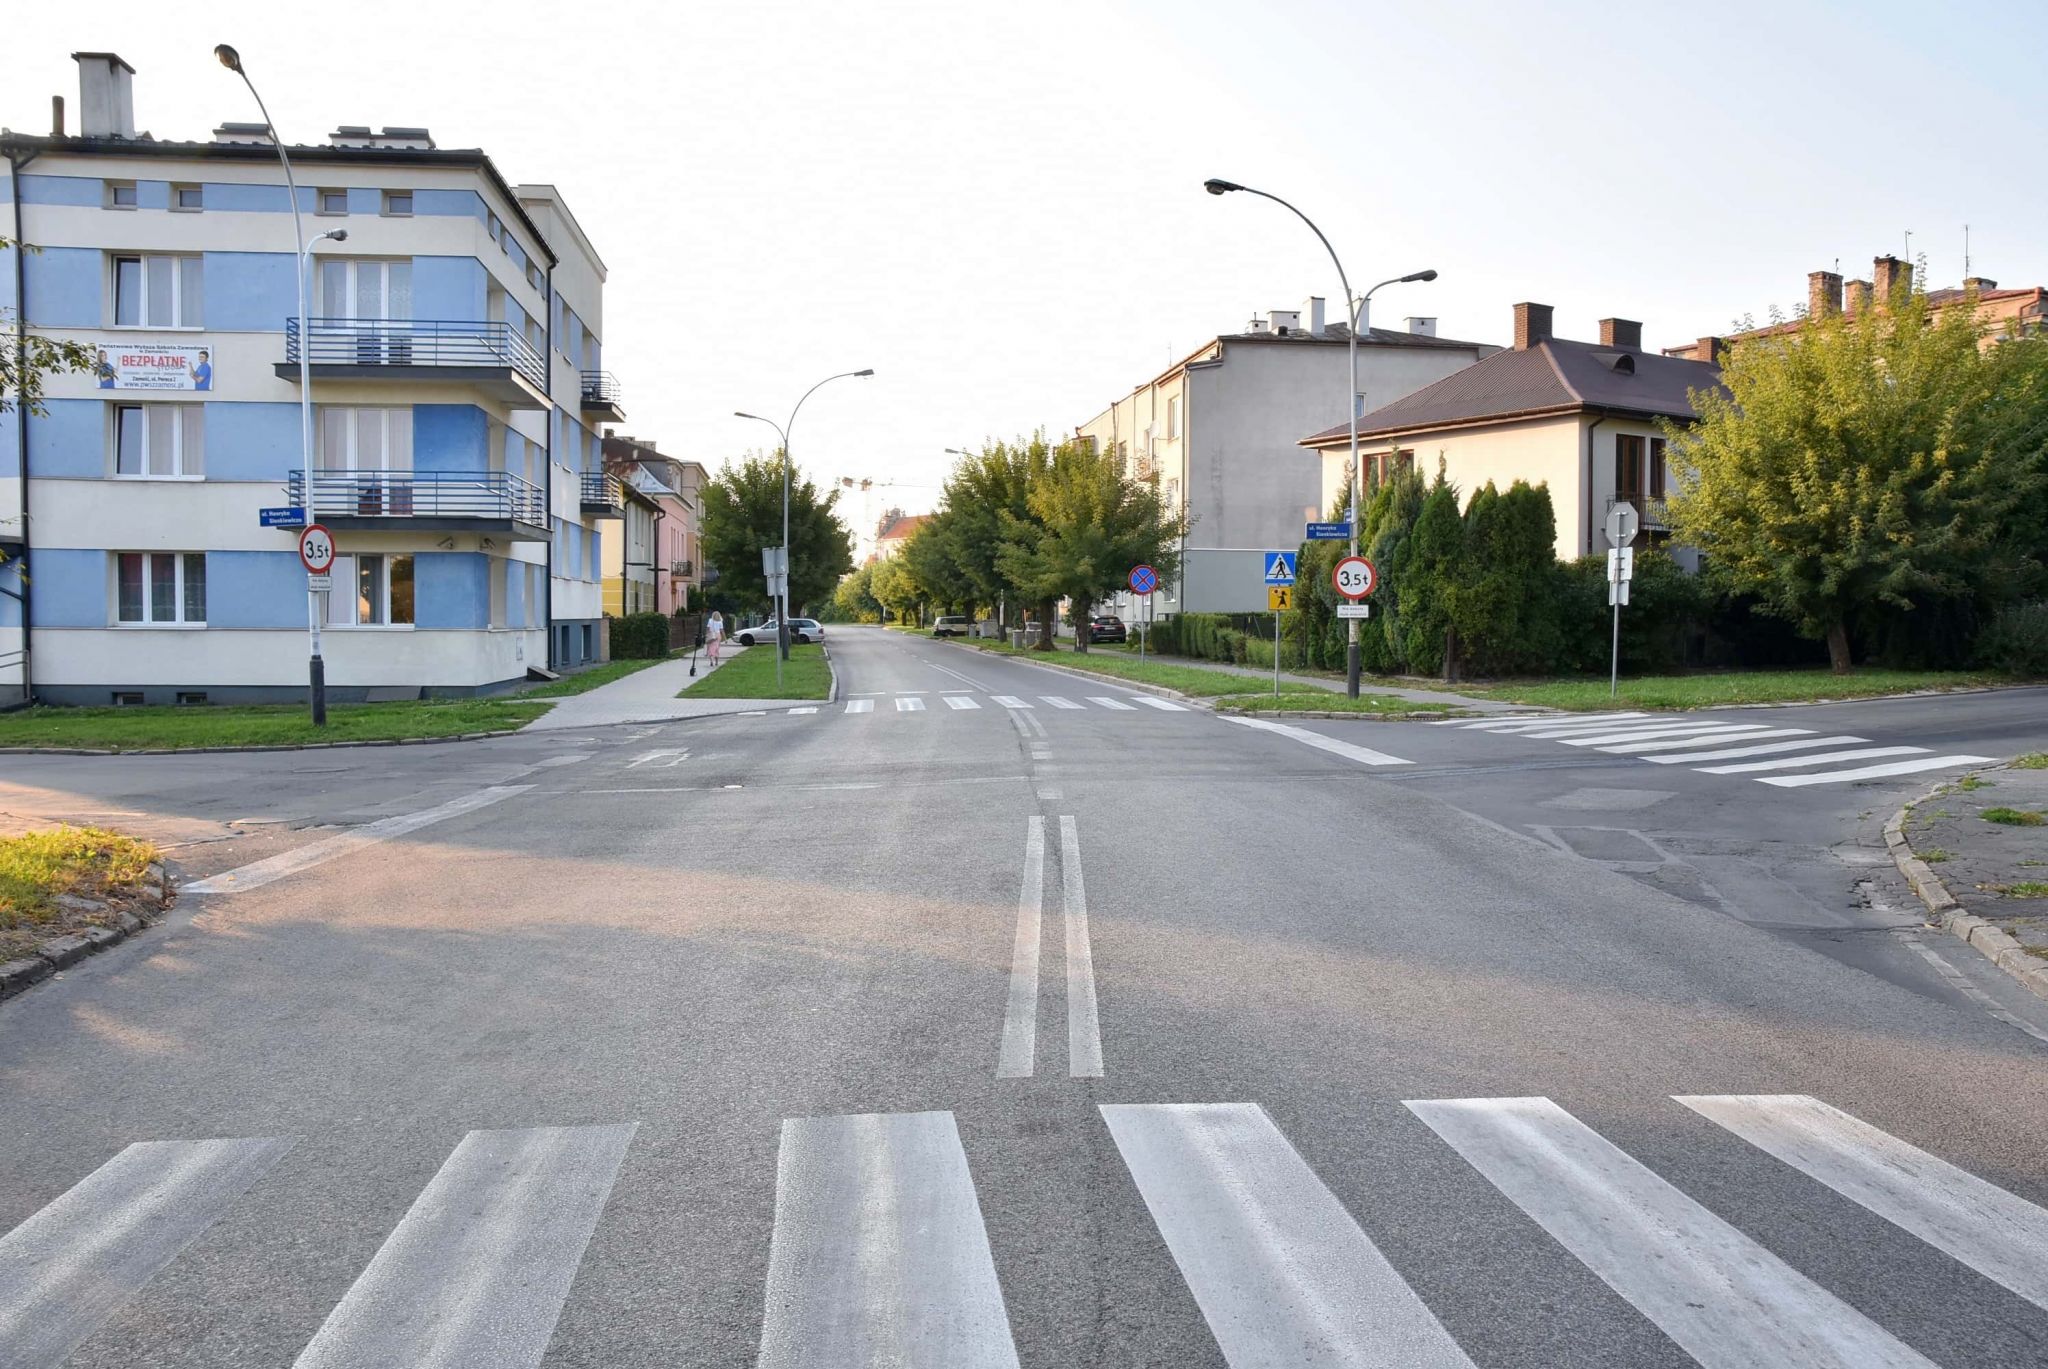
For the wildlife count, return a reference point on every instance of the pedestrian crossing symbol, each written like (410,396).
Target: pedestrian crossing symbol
(1279,598)
(1279,567)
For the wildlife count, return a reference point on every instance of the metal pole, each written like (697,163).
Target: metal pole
(1351,647)
(1614,665)
(316,668)
(1276,653)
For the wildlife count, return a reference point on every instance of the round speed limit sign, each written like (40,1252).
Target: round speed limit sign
(1354,577)
(316,549)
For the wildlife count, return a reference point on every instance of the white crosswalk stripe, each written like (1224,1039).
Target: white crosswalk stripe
(860,706)
(1057,702)
(1102,701)
(67,1269)
(2002,1237)
(1009,701)
(879,1255)
(795,712)
(1163,705)
(479,1268)
(1281,1271)
(908,704)
(960,701)
(1675,741)
(1726,1300)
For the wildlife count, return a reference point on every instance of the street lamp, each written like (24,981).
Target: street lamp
(783,430)
(1358,310)
(316,667)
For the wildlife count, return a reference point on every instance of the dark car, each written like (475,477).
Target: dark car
(1107,628)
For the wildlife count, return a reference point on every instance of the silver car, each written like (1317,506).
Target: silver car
(800,630)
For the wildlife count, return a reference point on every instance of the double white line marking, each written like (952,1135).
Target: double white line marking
(1018,1056)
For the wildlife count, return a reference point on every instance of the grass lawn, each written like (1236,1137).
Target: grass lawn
(586,680)
(37,866)
(1734,687)
(156,728)
(751,675)
(1188,679)
(1322,702)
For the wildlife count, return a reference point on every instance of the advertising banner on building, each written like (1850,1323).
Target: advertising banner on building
(147,366)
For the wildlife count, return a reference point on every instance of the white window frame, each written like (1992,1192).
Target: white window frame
(404,213)
(114,188)
(144,322)
(346,570)
(1173,418)
(187,431)
(180,563)
(352,270)
(177,194)
(320,202)
(394,422)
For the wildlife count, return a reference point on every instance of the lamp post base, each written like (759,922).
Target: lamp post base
(1351,664)
(317,670)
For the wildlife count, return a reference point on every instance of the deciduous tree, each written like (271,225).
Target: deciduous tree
(743,514)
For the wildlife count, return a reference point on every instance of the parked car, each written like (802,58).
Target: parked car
(953,627)
(1107,627)
(800,630)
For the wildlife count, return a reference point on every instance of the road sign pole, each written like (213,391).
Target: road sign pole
(1614,665)
(1276,655)
(316,554)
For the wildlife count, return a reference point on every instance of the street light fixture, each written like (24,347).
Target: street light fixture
(1359,311)
(316,666)
(783,430)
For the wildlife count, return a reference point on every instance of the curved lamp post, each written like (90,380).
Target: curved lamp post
(1358,309)
(782,430)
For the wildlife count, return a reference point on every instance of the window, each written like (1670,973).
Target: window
(1628,466)
(1656,468)
(188,197)
(398,203)
(161,588)
(364,439)
(534,276)
(157,292)
(492,226)
(382,592)
(333,202)
(159,440)
(1385,466)
(1173,419)
(120,194)
(352,288)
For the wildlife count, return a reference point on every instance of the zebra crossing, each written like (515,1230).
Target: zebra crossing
(962,701)
(1784,757)
(878,1252)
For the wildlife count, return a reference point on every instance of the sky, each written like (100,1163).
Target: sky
(999,207)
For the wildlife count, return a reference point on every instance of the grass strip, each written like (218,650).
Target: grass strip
(1322,702)
(2037,761)
(36,867)
(586,680)
(2013,817)
(1734,687)
(751,675)
(181,728)
(1187,679)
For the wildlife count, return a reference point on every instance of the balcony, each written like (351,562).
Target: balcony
(407,500)
(603,495)
(1649,512)
(601,395)
(681,568)
(491,356)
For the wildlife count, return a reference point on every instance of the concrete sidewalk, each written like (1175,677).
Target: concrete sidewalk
(649,696)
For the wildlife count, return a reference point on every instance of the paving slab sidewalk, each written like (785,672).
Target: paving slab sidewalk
(649,696)
(1994,871)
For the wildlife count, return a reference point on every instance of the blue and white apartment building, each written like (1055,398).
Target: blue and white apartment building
(455,350)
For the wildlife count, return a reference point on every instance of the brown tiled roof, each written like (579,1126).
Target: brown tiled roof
(1936,299)
(901,526)
(1555,376)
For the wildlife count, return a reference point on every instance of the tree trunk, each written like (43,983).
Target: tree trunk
(1048,623)
(1450,655)
(1080,629)
(1838,648)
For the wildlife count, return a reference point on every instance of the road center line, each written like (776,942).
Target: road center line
(262,872)
(1017,1058)
(1084,1030)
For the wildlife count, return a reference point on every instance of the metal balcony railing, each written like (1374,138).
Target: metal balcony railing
(409,494)
(418,343)
(602,493)
(679,568)
(1650,512)
(600,390)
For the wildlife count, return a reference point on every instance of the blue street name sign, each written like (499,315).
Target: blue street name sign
(1327,532)
(1279,567)
(284,518)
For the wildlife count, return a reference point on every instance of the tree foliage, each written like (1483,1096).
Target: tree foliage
(854,601)
(25,362)
(743,514)
(1871,466)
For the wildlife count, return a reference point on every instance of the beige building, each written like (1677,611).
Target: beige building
(1581,417)
(1220,431)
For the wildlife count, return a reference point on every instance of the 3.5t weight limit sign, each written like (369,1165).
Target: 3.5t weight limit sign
(1354,577)
(316,549)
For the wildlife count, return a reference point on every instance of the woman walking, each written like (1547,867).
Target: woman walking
(714,633)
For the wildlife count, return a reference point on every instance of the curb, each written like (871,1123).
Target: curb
(1991,942)
(832,694)
(61,953)
(237,750)
(1193,701)
(1331,715)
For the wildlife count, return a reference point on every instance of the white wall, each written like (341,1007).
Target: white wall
(197,659)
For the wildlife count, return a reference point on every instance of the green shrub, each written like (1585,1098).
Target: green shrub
(639,637)
(2017,640)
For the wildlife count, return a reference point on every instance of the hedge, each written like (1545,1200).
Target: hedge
(639,637)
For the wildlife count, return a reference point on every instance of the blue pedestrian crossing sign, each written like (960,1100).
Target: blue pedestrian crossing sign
(1279,567)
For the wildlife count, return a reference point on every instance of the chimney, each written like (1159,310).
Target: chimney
(1285,321)
(1624,333)
(1888,276)
(56,116)
(1421,326)
(1532,325)
(1981,284)
(1858,297)
(1312,310)
(1709,350)
(1823,294)
(106,99)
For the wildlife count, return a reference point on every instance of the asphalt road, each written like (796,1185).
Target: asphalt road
(952,1025)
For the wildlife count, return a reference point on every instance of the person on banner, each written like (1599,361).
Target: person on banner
(103,369)
(202,374)
(714,633)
